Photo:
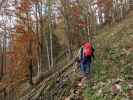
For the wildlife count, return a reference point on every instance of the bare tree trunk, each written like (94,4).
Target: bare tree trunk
(3,56)
(43,36)
(2,65)
(51,49)
(65,7)
(4,52)
(38,42)
(0,61)
(50,31)
(30,52)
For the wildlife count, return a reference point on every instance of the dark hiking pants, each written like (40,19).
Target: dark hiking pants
(85,65)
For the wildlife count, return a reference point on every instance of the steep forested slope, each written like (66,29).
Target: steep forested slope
(40,38)
(111,70)
(113,67)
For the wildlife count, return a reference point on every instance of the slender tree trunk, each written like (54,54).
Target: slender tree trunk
(0,54)
(65,8)
(50,31)
(4,51)
(38,42)
(3,57)
(31,63)
(51,49)
(43,36)
(67,28)
(2,64)
(30,52)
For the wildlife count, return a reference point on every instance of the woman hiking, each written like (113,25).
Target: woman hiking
(86,53)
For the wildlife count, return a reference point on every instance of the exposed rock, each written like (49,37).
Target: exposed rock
(116,88)
(99,92)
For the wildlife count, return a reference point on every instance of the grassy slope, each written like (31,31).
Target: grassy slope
(114,55)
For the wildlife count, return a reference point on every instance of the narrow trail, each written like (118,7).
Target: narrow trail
(58,85)
(77,90)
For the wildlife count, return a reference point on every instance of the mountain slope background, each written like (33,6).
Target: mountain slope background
(112,70)
(113,63)
(39,40)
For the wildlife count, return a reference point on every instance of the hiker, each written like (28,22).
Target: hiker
(86,53)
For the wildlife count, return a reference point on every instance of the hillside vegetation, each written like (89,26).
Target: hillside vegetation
(113,63)
(39,44)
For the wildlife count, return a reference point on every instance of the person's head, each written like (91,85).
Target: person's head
(83,42)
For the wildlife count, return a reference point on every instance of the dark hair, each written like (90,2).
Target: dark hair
(83,42)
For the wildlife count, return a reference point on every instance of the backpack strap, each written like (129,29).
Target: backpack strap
(81,53)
